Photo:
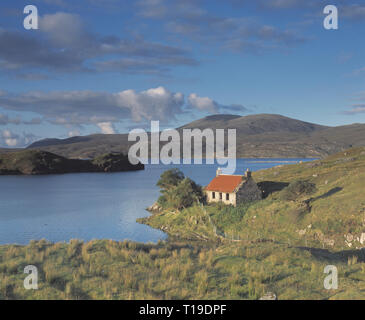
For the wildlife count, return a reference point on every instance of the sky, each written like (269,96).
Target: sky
(109,66)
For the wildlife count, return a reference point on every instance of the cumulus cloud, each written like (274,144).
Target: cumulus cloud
(73,109)
(211,106)
(106,127)
(156,103)
(203,103)
(10,139)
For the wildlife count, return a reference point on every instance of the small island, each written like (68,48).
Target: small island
(36,162)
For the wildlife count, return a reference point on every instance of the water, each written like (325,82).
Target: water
(92,206)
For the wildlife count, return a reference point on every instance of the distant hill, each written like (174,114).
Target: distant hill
(255,124)
(261,135)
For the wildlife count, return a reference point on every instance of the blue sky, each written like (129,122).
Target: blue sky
(106,66)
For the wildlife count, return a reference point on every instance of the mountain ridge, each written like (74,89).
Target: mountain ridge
(258,136)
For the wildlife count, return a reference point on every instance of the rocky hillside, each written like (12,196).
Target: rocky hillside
(32,162)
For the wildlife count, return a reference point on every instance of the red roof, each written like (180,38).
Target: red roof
(224,183)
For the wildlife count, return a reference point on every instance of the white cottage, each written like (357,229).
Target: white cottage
(232,189)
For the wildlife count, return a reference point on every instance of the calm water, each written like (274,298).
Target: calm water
(92,206)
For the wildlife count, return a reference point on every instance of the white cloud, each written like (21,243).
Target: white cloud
(11,142)
(89,107)
(106,127)
(11,139)
(73,109)
(156,103)
(203,103)
(209,105)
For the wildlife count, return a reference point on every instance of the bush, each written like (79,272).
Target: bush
(170,178)
(297,189)
(177,191)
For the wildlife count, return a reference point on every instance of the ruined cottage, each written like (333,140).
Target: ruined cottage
(232,189)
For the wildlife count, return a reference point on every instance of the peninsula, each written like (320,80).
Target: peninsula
(34,162)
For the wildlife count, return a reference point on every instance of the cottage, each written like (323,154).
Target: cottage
(232,189)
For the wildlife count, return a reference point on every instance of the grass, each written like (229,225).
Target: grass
(103,269)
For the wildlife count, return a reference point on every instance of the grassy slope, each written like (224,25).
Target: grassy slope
(216,268)
(319,220)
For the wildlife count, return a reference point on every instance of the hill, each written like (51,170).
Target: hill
(31,162)
(255,124)
(258,136)
(330,216)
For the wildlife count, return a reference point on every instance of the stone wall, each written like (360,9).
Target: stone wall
(249,192)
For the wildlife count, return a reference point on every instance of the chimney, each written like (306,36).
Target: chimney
(219,172)
(248,173)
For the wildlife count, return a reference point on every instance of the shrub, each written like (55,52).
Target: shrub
(297,189)
(177,191)
(170,178)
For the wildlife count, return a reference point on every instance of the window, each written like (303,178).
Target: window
(213,195)
(220,196)
(227,196)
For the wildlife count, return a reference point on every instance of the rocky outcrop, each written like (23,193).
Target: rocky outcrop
(154,208)
(35,162)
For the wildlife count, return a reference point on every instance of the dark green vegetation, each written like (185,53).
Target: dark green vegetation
(177,191)
(279,245)
(42,162)
(263,135)
(297,189)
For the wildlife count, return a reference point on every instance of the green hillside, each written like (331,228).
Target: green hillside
(326,218)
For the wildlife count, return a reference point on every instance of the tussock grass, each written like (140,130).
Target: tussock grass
(174,270)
